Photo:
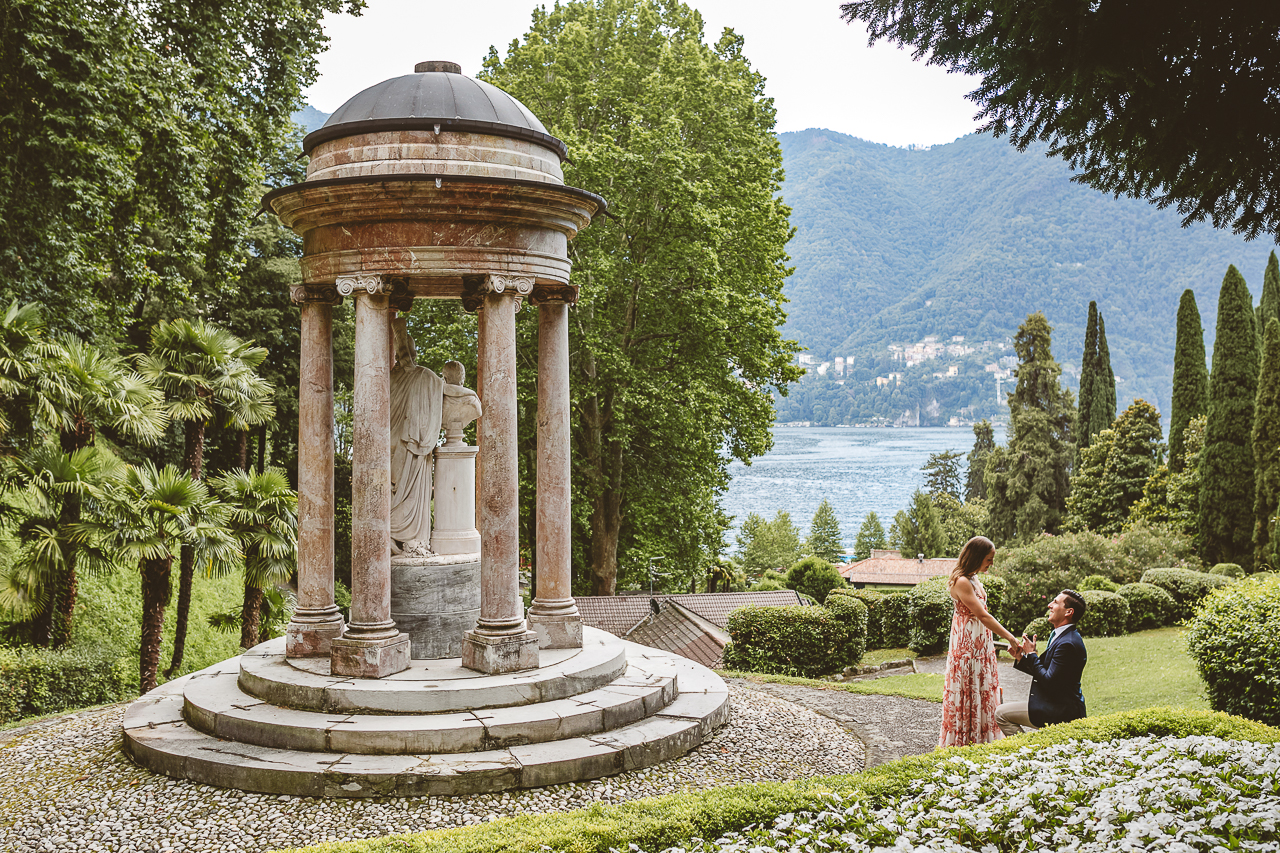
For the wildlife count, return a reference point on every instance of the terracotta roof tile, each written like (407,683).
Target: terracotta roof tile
(880,569)
(618,614)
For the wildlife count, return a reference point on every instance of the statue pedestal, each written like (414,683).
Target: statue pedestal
(454,528)
(436,600)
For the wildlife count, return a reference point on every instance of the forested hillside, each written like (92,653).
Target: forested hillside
(967,238)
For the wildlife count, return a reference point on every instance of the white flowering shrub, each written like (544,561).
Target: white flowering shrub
(1174,795)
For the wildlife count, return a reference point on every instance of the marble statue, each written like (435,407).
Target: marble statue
(461,405)
(417,402)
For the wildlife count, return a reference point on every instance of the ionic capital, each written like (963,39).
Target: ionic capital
(476,287)
(371,284)
(544,293)
(324,294)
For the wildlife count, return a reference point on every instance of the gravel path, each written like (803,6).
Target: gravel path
(68,787)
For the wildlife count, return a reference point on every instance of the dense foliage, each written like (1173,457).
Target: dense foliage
(1226,464)
(870,537)
(918,530)
(814,577)
(1235,641)
(803,641)
(1172,498)
(824,540)
(1188,588)
(895,620)
(1149,606)
(773,544)
(875,613)
(1106,614)
(1266,453)
(1114,470)
(931,609)
(34,682)
(942,474)
(856,616)
(1190,397)
(984,441)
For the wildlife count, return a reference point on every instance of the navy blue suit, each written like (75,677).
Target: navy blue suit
(1055,687)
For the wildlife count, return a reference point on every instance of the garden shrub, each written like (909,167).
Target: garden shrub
(814,577)
(793,640)
(1037,572)
(895,620)
(1229,570)
(1101,582)
(35,682)
(1106,614)
(1038,628)
(1188,588)
(1235,641)
(1149,606)
(931,609)
(872,599)
(853,614)
(997,591)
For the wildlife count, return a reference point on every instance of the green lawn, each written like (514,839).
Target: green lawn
(1142,670)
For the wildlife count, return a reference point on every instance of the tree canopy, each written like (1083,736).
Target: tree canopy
(824,538)
(984,441)
(942,473)
(1173,104)
(870,537)
(1114,471)
(1190,378)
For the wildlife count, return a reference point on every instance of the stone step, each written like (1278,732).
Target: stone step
(157,736)
(430,686)
(215,704)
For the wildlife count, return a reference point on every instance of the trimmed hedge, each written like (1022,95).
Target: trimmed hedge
(1149,606)
(793,640)
(1101,582)
(997,591)
(1188,588)
(814,577)
(1106,614)
(895,620)
(1235,642)
(1038,628)
(657,823)
(1228,570)
(853,613)
(872,599)
(931,610)
(35,682)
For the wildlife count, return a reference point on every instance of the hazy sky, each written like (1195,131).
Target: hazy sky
(820,71)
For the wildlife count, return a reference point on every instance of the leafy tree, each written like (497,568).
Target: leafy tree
(1190,378)
(917,530)
(263,516)
(814,577)
(1028,480)
(675,339)
(1114,471)
(1111,86)
(1227,487)
(961,521)
(870,537)
(147,516)
(984,442)
(202,369)
(824,534)
(942,473)
(1088,380)
(1103,413)
(1269,304)
(1172,498)
(768,544)
(1266,450)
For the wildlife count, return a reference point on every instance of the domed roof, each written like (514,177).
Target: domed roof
(438,97)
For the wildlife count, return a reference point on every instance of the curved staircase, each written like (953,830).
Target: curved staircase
(261,722)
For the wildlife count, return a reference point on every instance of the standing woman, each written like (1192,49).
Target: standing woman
(971,690)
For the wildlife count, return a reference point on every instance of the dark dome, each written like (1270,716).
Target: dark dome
(446,98)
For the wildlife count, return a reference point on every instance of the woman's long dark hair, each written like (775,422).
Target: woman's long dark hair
(972,555)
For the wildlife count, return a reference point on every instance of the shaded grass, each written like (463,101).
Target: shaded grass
(875,657)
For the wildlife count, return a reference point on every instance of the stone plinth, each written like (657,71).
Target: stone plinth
(453,530)
(358,658)
(435,600)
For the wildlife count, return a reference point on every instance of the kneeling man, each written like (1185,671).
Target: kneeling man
(1055,687)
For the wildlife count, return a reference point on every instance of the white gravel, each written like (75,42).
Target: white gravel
(67,786)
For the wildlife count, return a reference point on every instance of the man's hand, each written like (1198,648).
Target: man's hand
(1028,646)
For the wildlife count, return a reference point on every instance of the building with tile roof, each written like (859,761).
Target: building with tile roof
(889,568)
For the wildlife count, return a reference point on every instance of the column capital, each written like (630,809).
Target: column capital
(547,293)
(393,286)
(324,294)
(476,287)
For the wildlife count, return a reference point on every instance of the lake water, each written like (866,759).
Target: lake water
(857,469)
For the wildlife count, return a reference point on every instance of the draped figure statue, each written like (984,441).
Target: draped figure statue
(417,396)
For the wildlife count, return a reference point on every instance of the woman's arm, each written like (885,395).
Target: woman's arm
(962,591)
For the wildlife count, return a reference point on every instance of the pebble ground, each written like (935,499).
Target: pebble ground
(67,787)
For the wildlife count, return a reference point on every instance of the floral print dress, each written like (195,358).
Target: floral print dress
(971,690)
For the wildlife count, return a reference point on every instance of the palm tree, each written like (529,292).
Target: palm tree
(24,350)
(202,368)
(49,484)
(264,518)
(149,515)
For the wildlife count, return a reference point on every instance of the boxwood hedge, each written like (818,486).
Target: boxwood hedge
(931,609)
(1188,588)
(35,682)
(872,599)
(895,620)
(1149,606)
(1101,582)
(1106,614)
(1229,570)
(795,640)
(853,613)
(1235,642)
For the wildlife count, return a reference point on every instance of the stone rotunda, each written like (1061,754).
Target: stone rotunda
(430,186)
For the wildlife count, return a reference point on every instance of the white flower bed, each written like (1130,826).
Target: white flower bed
(1142,794)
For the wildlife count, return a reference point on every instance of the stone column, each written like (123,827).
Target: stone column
(372,646)
(554,615)
(316,621)
(500,642)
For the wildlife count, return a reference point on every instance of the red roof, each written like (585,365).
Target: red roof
(890,568)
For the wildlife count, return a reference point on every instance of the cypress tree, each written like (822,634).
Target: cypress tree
(1227,490)
(1088,379)
(1266,449)
(870,537)
(1103,412)
(1190,378)
(1269,305)
(824,534)
(984,441)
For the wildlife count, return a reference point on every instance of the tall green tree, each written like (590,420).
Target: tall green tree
(1172,498)
(675,338)
(1111,86)
(1088,379)
(1103,412)
(1114,470)
(942,473)
(1029,479)
(870,537)
(1269,304)
(984,441)
(1227,485)
(917,529)
(773,544)
(1266,451)
(1190,378)
(824,539)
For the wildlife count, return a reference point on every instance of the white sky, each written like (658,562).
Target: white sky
(820,71)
